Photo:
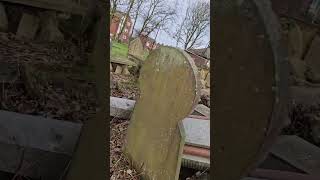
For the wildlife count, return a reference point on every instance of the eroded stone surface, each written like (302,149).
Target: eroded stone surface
(28,26)
(49,27)
(136,48)
(168,86)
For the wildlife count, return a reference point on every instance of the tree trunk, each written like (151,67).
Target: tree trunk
(125,18)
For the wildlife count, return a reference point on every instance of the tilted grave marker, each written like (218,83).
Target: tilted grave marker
(169,91)
(136,48)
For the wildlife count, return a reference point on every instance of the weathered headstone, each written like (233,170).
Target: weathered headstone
(49,27)
(28,26)
(312,57)
(3,18)
(169,92)
(136,48)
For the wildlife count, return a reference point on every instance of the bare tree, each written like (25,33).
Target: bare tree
(114,5)
(136,12)
(130,5)
(158,13)
(194,26)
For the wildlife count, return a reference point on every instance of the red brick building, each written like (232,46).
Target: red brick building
(117,23)
(148,43)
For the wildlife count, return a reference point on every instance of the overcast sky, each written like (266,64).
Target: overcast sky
(165,38)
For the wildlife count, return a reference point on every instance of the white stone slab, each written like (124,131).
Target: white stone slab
(120,107)
(197,132)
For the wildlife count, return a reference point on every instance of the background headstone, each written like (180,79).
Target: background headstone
(136,48)
(49,30)
(169,92)
(28,26)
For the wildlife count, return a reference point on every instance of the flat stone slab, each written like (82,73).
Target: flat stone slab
(122,61)
(38,132)
(46,143)
(299,153)
(197,132)
(120,107)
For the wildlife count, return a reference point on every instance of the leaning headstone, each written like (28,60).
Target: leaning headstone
(169,92)
(136,48)
(3,19)
(28,26)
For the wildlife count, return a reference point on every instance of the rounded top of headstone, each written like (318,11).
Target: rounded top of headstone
(172,72)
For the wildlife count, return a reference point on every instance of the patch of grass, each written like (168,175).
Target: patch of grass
(119,50)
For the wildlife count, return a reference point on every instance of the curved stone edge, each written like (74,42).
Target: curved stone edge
(277,120)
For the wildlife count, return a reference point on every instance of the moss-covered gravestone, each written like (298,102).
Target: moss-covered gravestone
(169,92)
(136,48)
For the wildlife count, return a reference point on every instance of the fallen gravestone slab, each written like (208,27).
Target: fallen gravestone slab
(299,153)
(36,146)
(154,143)
(121,108)
(197,132)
